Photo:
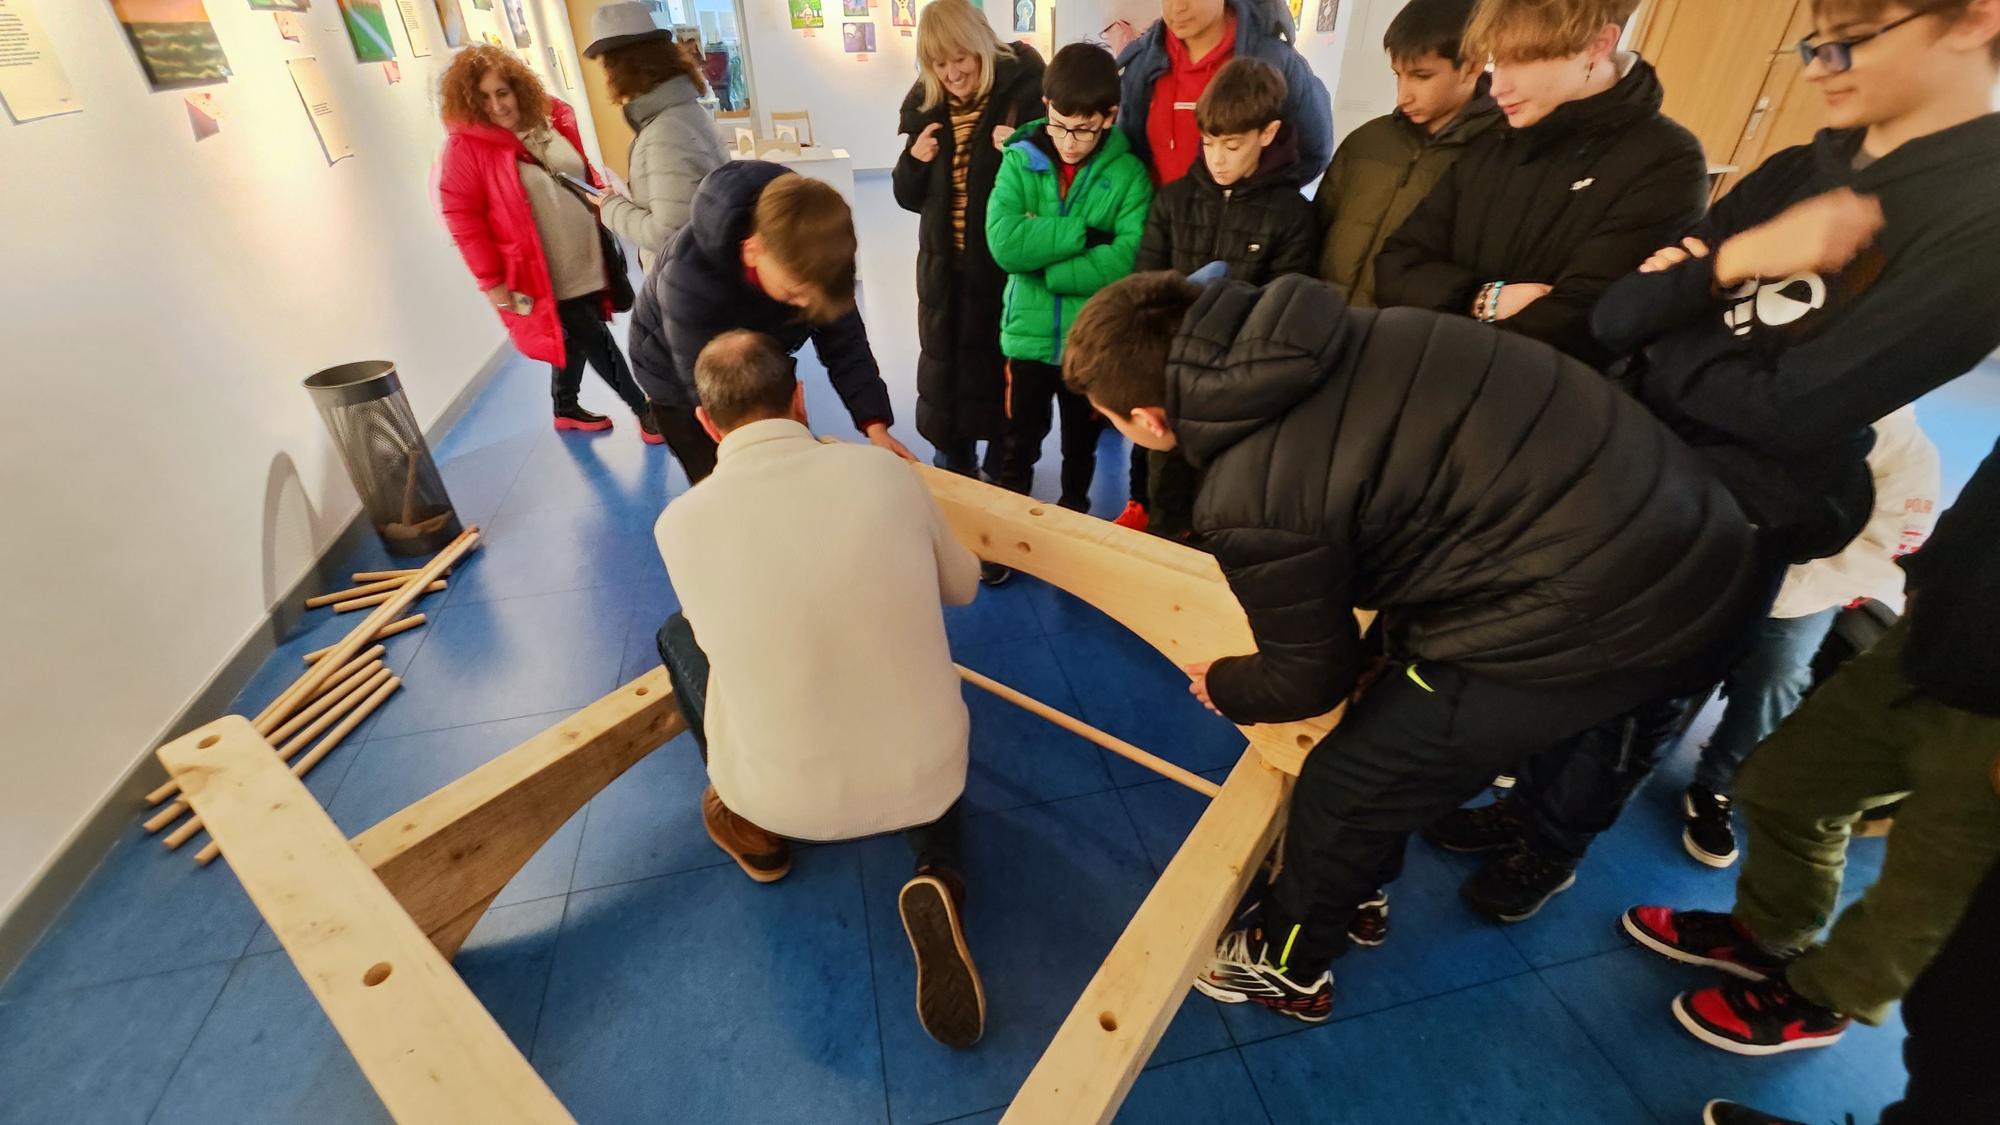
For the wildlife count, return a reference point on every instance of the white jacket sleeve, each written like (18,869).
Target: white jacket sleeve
(957,566)
(1904,464)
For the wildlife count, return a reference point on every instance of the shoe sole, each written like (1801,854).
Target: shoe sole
(1504,781)
(1365,944)
(583,427)
(1701,854)
(1476,849)
(1225,996)
(1671,953)
(1535,909)
(1755,1050)
(652,439)
(760,874)
(951,1004)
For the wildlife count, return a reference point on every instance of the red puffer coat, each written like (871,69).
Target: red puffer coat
(479,193)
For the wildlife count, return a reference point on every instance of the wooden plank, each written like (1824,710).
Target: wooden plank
(446,856)
(1089,1067)
(1171,596)
(423,1040)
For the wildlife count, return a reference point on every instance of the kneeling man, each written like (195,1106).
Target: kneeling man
(822,692)
(1543,554)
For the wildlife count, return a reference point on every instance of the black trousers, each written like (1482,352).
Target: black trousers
(1031,389)
(1571,792)
(935,845)
(690,444)
(1139,489)
(1948,1015)
(1420,742)
(963,457)
(587,337)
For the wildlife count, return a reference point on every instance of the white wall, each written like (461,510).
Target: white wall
(161,299)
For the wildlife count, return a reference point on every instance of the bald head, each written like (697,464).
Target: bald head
(744,377)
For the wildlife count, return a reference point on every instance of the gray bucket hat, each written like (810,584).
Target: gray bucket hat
(621,24)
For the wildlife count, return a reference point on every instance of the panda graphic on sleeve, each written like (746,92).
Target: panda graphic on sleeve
(1786,306)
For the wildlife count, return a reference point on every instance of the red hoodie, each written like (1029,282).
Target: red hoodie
(1170,129)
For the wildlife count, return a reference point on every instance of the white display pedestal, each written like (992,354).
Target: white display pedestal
(831,165)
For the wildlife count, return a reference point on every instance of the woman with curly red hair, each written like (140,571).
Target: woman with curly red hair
(530,240)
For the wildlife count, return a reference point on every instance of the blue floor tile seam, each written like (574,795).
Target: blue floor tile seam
(875,993)
(548,982)
(1306,1029)
(187,1047)
(90,984)
(1582,1024)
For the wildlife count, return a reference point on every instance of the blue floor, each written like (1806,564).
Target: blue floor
(648,980)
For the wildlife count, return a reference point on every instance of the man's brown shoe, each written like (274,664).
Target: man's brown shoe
(762,856)
(950,1002)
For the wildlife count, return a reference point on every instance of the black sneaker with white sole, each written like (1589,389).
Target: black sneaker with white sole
(951,1002)
(1488,828)
(1370,924)
(1707,836)
(1702,937)
(1514,886)
(1241,972)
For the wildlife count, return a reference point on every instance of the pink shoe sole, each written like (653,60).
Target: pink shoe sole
(586,427)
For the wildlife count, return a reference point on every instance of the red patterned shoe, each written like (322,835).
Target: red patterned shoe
(1134,516)
(1370,924)
(1241,972)
(1766,1018)
(1701,937)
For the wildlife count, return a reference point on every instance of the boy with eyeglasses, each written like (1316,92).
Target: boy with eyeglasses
(1065,218)
(1838,282)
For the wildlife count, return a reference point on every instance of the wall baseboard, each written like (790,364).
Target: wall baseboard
(52,888)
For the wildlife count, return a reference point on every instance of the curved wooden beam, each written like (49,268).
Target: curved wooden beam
(1171,596)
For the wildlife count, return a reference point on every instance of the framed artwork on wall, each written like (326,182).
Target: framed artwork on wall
(368,29)
(280,5)
(903,13)
(807,14)
(517,23)
(857,38)
(453,22)
(175,42)
(1024,15)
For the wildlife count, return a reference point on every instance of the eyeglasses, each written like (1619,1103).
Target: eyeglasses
(1837,55)
(1084,134)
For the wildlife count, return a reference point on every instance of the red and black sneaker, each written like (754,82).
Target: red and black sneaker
(577,418)
(1370,924)
(1702,937)
(1766,1018)
(1241,972)
(1134,516)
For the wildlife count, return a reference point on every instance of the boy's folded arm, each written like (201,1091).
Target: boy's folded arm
(1083,274)
(1023,243)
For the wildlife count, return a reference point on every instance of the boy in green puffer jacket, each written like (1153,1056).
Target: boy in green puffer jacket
(1064,221)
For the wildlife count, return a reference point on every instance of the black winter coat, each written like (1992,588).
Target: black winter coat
(1777,382)
(1261,227)
(1575,201)
(961,375)
(1954,609)
(1507,509)
(698,291)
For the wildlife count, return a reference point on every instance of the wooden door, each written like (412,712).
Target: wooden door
(1787,111)
(1715,58)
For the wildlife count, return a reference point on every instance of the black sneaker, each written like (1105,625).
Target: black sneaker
(1702,937)
(1761,1018)
(993,574)
(1708,836)
(1370,924)
(951,1002)
(1513,886)
(1719,1112)
(1241,972)
(577,418)
(649,430)
(1488,828)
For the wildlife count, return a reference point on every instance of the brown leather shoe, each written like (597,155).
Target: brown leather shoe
(951,1004)
(762,856)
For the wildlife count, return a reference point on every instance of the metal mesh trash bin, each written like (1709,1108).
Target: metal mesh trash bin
(386,456)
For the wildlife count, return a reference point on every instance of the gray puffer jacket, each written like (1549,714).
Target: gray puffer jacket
(676,146)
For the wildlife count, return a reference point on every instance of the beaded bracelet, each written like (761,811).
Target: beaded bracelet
(1487,309)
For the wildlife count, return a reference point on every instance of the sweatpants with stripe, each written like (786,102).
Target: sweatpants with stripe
(1421,741)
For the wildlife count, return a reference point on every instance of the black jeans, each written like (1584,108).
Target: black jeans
(935,845)
(690,444)
(1138,489)
(1031,387)
(1570,792)
(963,457)
(587,337)
(1948,1016)
(1420,742)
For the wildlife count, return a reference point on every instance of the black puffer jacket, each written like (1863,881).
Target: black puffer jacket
(1261,227)
(698,291)
(1507,509)
(1575,201)
(961,375)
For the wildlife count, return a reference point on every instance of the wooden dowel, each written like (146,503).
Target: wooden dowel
(384,633)
(304,765)
(341,711)
(364,667)
(377,599)
(355,592)
(1084,730)
(358,639)
(379,575)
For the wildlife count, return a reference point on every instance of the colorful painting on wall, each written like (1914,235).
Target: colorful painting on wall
(517,22)
(1329,11)
(175,42)
(853,7)
(1298,10)
(453,22)
(806,14)
(281,5)
(1024,15)
(903,13)
(368,28)
(857,38)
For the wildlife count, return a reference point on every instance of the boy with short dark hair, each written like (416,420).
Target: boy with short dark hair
(1238,207)
(1386,167)
(1064,220)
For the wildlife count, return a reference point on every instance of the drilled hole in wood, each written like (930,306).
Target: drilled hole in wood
(208,742)
(377,973)
(1305,742)
(1023,548)
(1107,1021)
(638,691)
(1036,512)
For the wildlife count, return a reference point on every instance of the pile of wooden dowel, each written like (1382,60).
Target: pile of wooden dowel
(343,683)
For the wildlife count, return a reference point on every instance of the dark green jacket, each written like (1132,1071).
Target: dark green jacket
(1378,176)
(1042,239)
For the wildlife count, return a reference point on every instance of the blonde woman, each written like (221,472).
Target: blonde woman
(971,93)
